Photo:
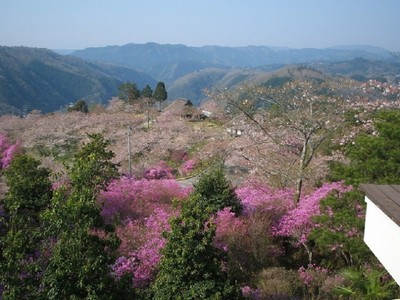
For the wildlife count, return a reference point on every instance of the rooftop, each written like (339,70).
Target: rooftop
(386,197)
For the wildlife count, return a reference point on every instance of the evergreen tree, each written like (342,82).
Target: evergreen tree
(29,193)
(191,267)
(338,236)
(214,187)
(160,93)
(80,105)
(128,92)
(374,158)
(147,92)
(79,266)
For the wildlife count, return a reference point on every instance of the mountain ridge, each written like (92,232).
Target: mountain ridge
(41,79)
(152,57)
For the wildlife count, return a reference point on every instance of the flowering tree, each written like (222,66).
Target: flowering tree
(298,117)
(159,171)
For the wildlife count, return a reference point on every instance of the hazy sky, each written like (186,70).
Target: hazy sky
(77,24)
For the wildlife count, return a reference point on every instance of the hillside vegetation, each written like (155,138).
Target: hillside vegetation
(32,78)
(259,200)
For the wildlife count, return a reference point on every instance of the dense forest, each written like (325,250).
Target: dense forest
(253,195)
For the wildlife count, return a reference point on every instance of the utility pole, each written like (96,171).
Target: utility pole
(129,151)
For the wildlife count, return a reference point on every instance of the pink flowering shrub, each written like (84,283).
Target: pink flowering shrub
(159,171)
(250,293)
(247,238)
(131,199)
(227,227)
(297,223)
(141,262)
(313,278)
(7,151)
(188,166)
(143,208)
(257,196)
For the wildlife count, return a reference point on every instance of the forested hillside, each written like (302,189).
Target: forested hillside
(32,78)
(104,198)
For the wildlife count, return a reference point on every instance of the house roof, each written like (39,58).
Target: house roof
(386,197)
(180,107)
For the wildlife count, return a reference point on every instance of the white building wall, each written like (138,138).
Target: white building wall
(382,236)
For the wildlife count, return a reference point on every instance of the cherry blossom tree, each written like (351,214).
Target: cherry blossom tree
(298,117)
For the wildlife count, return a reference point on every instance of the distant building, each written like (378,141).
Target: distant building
(382,225)
(185,109)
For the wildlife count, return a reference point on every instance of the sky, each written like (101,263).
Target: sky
(79,24)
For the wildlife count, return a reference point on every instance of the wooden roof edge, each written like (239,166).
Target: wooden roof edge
(376,193)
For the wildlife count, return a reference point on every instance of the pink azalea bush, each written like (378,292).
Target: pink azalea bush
(159,171)
(257,196)
(297,222)
(188,166)
(7,151)
(142,261)
(143,208)
(131,199)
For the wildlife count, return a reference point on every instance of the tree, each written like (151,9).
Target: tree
(80,105)
(375,156)
(297,117)
(338,236)
(29,193)
(338,232)
(191,267)
(214,187)
(84,246)
(147,92)
(128,92)
(160,94)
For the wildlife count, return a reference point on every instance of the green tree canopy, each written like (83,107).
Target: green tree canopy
(160,93)
(191,267)
(128,92)
(214,187)
(29,193)
(147,92)
(374,158)
(80,105)
(84,247)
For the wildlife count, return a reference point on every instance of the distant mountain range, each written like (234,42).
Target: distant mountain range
(32,78)
(46,80)
(169,62)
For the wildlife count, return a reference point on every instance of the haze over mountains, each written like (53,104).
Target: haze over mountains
(45,80)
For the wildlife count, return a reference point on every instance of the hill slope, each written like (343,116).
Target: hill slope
(40,79)
(192,85)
